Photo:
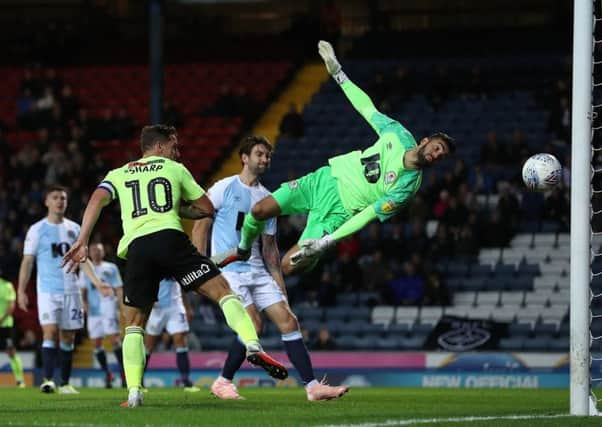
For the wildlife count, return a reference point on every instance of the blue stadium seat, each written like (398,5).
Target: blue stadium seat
(512,343)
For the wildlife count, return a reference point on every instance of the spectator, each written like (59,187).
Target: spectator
(557,209)
(408,289)
(26,110)
(123,125)
(69,103)
(436,292)
(292,123)
(491,153)
(375,272)
(172,115)
(441,244)
(324,341)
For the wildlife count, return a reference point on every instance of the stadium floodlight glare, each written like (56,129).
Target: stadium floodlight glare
(583,400)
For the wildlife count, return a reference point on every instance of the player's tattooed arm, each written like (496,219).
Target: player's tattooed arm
(271,259)
(197,209)
(190,211)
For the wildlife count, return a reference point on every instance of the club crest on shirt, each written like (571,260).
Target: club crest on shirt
(293,184)
(389,145)
(71,234)
(390,177)
(388,207)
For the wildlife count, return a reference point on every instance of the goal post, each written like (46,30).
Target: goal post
(581,173)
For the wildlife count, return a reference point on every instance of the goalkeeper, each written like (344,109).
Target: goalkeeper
(353,190)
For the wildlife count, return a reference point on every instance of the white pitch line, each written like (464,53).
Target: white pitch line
(409,422)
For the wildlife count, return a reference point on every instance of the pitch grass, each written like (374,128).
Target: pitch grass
(288,407)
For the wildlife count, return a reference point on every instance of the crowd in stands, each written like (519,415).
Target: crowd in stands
(454,214)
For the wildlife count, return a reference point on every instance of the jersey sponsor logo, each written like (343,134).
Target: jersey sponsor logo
(150,166)
(389,206)
(390,177)
(293,184)
(192,276)
(59,249)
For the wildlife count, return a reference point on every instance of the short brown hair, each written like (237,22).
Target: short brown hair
(55,187)
(451,143)
(152,134)
(247,144)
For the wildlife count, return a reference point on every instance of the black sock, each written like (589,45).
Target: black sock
(66,363)
(236,355)
(298,355)
(101,356)
(49,358)
(119,356)
(183,363)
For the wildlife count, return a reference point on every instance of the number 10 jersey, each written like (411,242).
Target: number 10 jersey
(150,191)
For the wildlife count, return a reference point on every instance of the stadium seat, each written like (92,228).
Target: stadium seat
(511,344)
(383,314)
(538,343)
(407,315)
(491,298)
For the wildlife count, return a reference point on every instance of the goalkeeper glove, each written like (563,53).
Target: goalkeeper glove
(311,248)
(333,66)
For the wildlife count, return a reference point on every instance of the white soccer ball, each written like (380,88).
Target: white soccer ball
(542,172)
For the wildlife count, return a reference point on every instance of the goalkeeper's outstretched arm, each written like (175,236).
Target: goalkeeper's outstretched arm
(358,98)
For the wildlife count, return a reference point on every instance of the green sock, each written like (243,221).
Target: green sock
(238,319)
(17,367)
(133,356)
(251,228)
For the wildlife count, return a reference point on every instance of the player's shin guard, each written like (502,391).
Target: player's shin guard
(250,230)
(49,358)
(236,355)
(183,363)
(101,356)
(133,356)
(238,319)
(298,355)
(66,362)
(17,367)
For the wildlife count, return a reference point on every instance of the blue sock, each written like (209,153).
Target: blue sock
(298,355)
(66,362)
(48,358)
(101,356)
(183,363)
(236,355)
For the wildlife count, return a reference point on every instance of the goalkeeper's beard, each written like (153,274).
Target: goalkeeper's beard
(421,159)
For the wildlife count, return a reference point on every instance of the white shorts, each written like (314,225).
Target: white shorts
(103,325)
(64,310)
(173,319)
(255,288)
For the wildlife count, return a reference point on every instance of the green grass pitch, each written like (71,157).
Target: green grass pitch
(365,407)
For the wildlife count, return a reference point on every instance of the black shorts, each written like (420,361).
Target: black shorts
(8,338)
(162,255)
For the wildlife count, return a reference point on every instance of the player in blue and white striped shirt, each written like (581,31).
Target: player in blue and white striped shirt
(103,311)
(58,297)
(258,281)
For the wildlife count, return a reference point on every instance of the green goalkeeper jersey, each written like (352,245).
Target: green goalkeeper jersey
(7,296)
(150,191)
(376,176)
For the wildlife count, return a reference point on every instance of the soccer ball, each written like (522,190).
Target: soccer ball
(542,172)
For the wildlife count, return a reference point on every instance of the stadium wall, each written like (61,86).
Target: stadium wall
(359,369)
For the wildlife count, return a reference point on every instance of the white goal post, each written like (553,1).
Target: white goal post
(581,173)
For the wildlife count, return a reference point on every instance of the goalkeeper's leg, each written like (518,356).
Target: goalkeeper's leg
(255,221)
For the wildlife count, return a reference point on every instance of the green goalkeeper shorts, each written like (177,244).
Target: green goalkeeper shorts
(317,195)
